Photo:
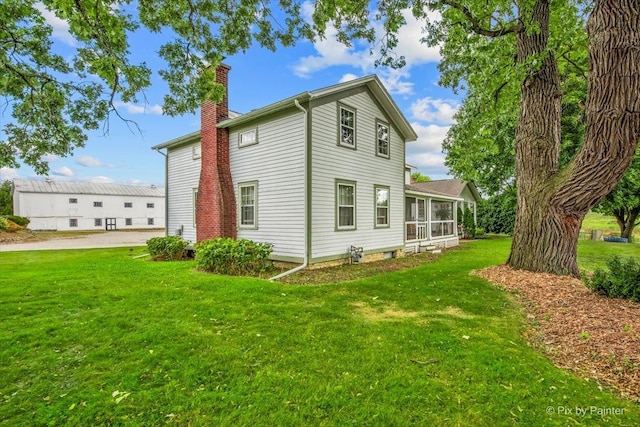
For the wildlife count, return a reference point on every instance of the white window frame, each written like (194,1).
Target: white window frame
(377,206)
(196,151)
(248,137)
(345,183)
(436,221)
(242,205)
(342,127)
(387,141)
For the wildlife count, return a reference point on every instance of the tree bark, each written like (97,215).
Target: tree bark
(553,202)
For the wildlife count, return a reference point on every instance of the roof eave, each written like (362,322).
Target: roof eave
(184,139)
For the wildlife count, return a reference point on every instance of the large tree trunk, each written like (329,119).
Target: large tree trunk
(553,202)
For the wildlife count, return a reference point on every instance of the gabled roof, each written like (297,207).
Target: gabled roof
(448,187)
(68,187)
(372,82)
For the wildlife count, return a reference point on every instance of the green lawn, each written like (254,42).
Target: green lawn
(96,337)
(606,223)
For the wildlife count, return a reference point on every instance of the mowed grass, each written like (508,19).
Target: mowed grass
(606,223)
(97,337)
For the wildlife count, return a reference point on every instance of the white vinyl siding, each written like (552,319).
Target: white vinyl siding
(276,163)
(183,179)
(331,162)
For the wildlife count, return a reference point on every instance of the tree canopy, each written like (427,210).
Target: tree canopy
(53,101)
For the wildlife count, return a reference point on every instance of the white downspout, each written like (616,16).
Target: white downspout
(305,261)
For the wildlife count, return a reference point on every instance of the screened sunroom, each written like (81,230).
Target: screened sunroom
(430,220)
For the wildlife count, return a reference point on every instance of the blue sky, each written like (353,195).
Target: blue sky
(257,78)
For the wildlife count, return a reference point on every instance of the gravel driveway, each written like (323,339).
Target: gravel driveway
(109,239)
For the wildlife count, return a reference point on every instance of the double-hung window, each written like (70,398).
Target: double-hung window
(347,127)
(345,205)
(382,139)
(382,206)
(248,204)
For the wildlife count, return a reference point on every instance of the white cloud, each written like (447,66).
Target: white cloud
(347,78)
(392,80)
(100,180)
(8,174)
(330,52)
(50,158)
(434,110)
(60,26)
(63,171)
(88,161)
(430,164)
(430,138)
(139,109)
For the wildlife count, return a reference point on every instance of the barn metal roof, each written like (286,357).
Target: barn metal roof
(69,187)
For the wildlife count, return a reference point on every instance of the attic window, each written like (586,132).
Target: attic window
(196,152)
(249,137)
(382,139)
(347,127)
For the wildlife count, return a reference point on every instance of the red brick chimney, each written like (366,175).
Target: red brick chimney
(216,204)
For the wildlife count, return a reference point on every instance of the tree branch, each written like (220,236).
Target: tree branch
(475,22)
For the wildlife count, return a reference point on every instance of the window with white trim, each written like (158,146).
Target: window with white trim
(441,218)
(196,151)
(382,139)
(347,128)
(249,137)
(345,205)
(248,204)
(382,206)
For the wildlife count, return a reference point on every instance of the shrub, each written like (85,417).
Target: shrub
(170,248)
(622,280)
(20,220)
(4,224)
(480,232)
(236,257)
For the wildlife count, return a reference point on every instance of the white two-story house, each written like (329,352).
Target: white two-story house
(316,175)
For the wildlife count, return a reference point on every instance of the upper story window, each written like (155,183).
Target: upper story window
(196,151)
(97,204)
(382,206)
(249,137)
(382,139)
(345,205)
(150,205)
(347,127)
(128,204)
(248,204)
(73,200)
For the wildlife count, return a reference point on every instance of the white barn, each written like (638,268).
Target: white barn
(53,205)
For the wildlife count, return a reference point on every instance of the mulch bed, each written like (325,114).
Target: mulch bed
(594,336)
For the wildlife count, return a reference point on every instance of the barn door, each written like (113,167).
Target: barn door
(110,224)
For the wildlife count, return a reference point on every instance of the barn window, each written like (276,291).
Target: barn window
(73,200)
(97,204)
(150,205)
(97,222)
(149,221)
(73,222)
(128,204)
(128,221)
